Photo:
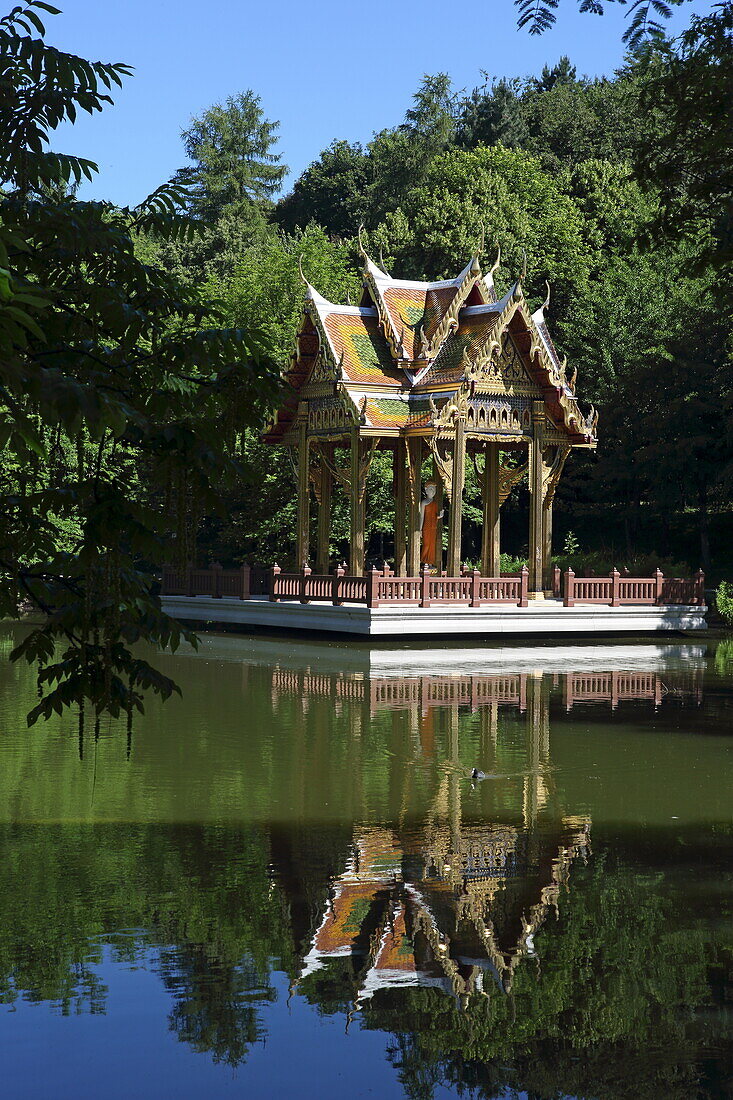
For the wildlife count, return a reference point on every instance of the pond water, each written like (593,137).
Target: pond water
(287,882)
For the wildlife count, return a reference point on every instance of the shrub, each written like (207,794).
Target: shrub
(724,601)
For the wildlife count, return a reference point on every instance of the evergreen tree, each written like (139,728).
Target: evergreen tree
(234,167)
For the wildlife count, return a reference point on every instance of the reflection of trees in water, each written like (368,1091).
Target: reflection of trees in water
(216,1004)
(621,1008)
(200,901)
(625,970)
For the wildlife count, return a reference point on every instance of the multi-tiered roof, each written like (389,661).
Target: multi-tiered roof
(413,352)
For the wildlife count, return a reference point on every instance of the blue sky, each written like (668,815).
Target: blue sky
(326,69)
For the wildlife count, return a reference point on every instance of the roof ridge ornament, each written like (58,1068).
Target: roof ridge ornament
(495,266)
(546,302)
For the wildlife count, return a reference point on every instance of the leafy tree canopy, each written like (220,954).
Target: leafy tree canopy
(234,166)
(120,393)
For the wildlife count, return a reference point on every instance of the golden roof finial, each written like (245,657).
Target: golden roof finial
(546,302)
(497,261)
(300,269)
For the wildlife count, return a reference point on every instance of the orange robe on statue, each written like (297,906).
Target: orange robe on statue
(429,533)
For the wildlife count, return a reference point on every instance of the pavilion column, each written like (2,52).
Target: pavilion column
(400,509)
(536,542)
(323,555)
(357,508)
(303,533)
(453,566)
(553,473)
(547,547)
(414,457)
(490,547)
(439,500)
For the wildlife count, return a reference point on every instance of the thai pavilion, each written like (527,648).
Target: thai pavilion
(446,370)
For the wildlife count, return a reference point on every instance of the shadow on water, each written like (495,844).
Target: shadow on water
(302,831)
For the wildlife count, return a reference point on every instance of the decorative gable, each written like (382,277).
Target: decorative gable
(410,347)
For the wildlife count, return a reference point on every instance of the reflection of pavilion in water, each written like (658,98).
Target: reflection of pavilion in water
(450,909)
(474,691)
(454,903)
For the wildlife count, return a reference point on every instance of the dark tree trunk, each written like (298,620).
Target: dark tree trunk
(704,536)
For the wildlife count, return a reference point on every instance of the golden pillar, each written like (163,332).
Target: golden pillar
(303,534)
(324,518)
(439,501)
(453,566)
(547,545)
(536,543)
(357,508)
(400,508)
(414,456)
(551,477)
(490,546)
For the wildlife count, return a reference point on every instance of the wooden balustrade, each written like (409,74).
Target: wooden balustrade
(216,582)
(476,691)
(469,590)
(615,590)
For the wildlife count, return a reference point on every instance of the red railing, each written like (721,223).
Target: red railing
(470,589)
(615,590)
(475,691)
(216,582)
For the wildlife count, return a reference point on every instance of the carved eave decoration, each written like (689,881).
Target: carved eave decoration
(549,372)
(452,410)
(503,357)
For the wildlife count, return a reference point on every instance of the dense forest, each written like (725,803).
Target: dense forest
(141,349)
(601,183)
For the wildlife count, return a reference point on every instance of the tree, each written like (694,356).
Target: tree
(265,292)
(562,73)
(350,185)
(234,168)
(492,115)
(431,119)
(688,156)
(539,15)
(119,394)
(332,191)
(438,224)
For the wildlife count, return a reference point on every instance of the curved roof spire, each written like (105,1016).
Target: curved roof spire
(369,264)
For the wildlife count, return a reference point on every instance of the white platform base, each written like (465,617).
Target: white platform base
(547,617)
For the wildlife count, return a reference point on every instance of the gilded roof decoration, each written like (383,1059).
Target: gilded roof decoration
(360,348)
(399,355)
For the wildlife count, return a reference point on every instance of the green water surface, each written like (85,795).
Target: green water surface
(286,881)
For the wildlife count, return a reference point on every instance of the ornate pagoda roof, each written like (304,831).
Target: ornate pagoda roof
(443,925)
(413,349)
